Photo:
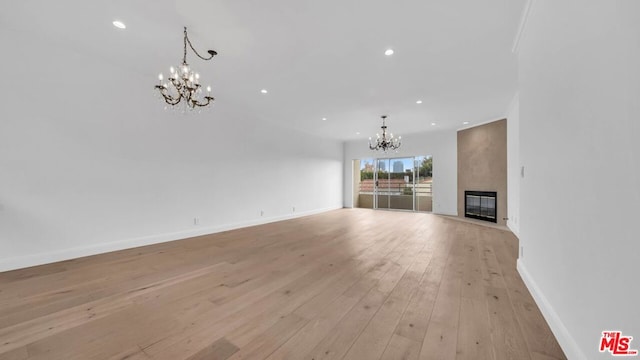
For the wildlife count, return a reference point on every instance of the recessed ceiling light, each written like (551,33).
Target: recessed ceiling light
(433,124)
(419,102)
(389,52)
(324,119)
(264,91)
(119,24)
(357,132)
(465,123)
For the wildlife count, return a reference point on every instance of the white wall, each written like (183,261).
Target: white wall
(579,86)
(513,165)
(442,145)
(92,163)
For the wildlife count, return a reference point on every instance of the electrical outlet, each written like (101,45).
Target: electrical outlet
(521,251)
(261,212)
(294,209)
(196,221)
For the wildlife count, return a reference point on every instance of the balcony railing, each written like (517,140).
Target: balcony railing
(396,187)
(396,194)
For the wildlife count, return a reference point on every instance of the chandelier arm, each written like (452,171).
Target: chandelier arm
(168,98)
(175,101)
(201,104)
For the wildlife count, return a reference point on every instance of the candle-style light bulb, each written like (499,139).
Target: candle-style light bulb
(160,77)
(208,89)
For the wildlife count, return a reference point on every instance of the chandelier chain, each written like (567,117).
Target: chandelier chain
(187,41)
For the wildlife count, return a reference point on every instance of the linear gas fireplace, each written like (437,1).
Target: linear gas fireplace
(481,205)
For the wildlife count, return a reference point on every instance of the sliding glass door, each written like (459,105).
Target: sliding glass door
(381,181)
(395,183)
(401,184)
(422,187)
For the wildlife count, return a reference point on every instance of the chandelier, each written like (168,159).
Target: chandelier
(383,142)
(183,84)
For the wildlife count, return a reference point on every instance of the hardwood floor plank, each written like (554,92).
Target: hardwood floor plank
(350,283)
(415,320)
(15,354)
(342,336)
(401,348)
(221,349)
(474,340)
(315,330)
(442,332)
(271,339)
(540,341)
(507,339)
(131,354)
(375,337)
(33,330)
(208,327)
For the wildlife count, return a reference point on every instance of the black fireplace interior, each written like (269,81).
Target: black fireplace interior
(481,205)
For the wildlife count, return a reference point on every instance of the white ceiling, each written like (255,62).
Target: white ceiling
(316,58)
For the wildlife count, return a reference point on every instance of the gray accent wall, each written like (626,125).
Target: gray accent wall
(482,163)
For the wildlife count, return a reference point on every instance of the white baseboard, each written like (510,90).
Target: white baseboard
(514,229)
(562,334)
(446,213)
(77,252)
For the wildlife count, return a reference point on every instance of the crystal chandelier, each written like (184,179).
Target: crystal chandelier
(183,84)
(383,142)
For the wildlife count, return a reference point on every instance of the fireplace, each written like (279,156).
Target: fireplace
(481,205)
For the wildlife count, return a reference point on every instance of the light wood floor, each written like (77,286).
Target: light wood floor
(347,284)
